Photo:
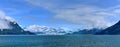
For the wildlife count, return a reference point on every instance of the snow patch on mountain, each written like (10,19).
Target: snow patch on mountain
(44,30)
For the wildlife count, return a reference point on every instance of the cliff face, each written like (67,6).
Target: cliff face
(15,30)
(113,30)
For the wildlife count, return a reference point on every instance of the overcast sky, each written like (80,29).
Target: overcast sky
(63,13)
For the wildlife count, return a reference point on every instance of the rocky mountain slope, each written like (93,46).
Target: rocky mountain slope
(113,30)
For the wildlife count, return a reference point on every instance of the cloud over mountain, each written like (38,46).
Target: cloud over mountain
(5,20)
(47,30)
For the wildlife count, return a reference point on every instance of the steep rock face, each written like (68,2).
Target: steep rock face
(15,30)
(113,30)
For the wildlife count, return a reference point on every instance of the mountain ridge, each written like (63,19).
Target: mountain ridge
(44,30)
(14,30)
(112,30)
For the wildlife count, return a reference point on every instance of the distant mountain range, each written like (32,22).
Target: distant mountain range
(86,31)
(44,30)
(10,27)
(113,30)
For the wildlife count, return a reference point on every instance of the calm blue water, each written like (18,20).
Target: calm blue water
(61,41)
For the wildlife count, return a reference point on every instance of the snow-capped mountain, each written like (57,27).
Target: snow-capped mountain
(44,30)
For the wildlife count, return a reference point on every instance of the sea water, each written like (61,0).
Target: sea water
(60,41)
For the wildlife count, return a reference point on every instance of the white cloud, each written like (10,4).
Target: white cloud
(4,21)
(79,13)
